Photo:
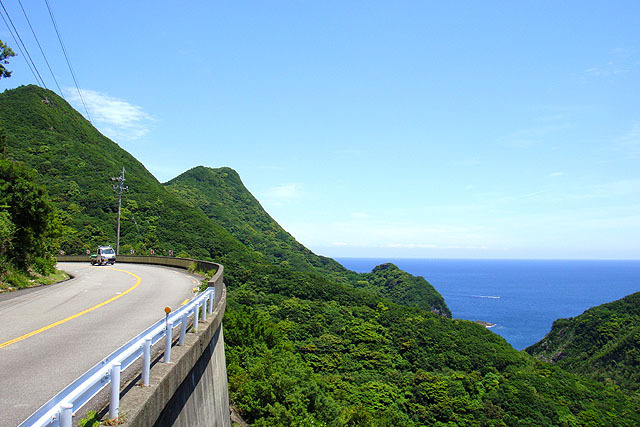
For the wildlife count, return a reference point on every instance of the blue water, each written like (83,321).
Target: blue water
(522,297)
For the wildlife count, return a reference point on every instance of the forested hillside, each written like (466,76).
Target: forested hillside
(304,345)
(29,228)
(220,194)
(75,162)
(401,287)
(223,197)
(602,343)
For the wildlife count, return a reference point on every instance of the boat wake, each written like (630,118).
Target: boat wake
(484,296)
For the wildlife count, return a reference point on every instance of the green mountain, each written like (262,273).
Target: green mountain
(76,162)
(222,196)
(403,288)
(306,345)
(602,343)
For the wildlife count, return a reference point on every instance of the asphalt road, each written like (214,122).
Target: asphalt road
(51,335)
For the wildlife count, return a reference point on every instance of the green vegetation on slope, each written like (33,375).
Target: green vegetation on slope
(223,197)
(5,53)
(76,162)
(403,288)
(29,227)
(302,347)
(387,365)
(602,343)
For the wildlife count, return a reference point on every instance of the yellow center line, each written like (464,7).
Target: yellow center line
(185,301)
(60,322)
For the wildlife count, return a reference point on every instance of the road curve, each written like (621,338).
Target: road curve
(51,335)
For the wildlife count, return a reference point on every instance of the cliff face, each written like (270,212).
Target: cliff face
(602,343)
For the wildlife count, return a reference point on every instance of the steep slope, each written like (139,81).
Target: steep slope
(602,343)
(76,163)
(223,197)
(403,288)
(302,348)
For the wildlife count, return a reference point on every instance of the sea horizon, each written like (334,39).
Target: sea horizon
(522,297)
(337,258)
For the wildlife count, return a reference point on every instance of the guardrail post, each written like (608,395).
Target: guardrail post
(203,314)
(66,414)
(210,303)
(146,361)
(168,337)
(183,328)
(114,404)
(195,317)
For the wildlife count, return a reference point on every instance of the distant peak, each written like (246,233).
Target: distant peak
(385,266)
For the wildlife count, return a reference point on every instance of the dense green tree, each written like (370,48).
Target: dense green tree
(403,288)
(3,141)
(27,219)
(307,342)
(5,54)
(7,231)
(602,343)
(222,196)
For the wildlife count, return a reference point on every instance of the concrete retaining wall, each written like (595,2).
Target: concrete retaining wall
(192,390)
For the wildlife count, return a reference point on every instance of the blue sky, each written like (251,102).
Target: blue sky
(383,129)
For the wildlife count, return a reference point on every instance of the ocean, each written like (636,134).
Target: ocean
(522,297)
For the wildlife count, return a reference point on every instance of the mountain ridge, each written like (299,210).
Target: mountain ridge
(602,343)
(221,195)
(302,347)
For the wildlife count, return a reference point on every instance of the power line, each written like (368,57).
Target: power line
(41,50)
(36,74)
(18,44)
(75,81)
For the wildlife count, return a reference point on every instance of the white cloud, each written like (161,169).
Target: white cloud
(622,62)
(284,193)
(412,245)
(353,233)
(115,117)
(608,70)
(556,174)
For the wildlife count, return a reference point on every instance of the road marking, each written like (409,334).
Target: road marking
(60,322)
(185,301)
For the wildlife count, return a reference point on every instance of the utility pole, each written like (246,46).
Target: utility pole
(119,188)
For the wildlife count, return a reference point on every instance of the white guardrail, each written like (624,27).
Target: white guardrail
(58,411)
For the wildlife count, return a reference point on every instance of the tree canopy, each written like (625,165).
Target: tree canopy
(28,222)
(307,342)
(5,53)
